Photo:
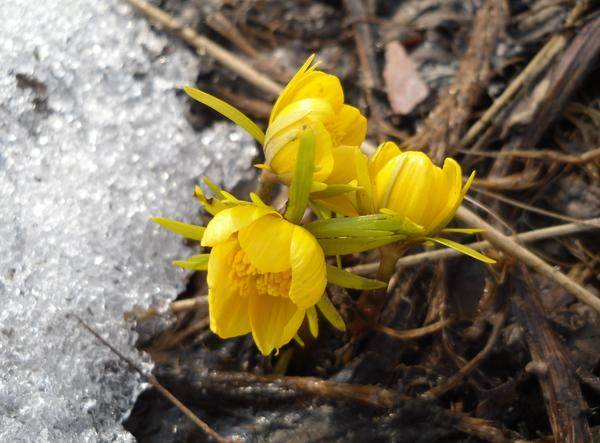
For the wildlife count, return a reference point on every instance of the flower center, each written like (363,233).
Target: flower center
(250,280)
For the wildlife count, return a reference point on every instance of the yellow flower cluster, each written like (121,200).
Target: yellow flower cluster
(266,272)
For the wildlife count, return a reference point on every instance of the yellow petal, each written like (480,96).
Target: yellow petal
(266,242)
(384,153)
(285,147)
(309,276)
(365,196)
(351,126)
(231,220)
(274,321)
(312,109)
(340,204)
(228,310)
(344,165)
(288,91)
(454,195)
(314,84)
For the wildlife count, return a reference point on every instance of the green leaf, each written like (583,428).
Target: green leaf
(299,340)
(313,321)
(320,211)
(378,224)
(333,190)
(228,111)
(217,192)
(257,200)
(349,245)
(462,248)
(213,205)
(195,262)
(347,279)
(303,177)
(283,362)
(186,230)
(464,230)
(330,313)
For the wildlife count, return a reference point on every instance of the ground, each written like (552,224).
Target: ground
(510,90)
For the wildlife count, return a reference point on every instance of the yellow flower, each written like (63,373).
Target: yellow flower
(410,185)
(264,273)
(315,100)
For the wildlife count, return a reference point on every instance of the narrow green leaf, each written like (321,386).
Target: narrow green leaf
(347,279)
(257,200)
(283,362)
(232,198)
(228,111)
(299,340)
(313,321)
(464,230)
(462,248)
(195,262)
(330,313)
(184,229)
(199,257)
(333,190)
(348,245)
(303,177)
(217,192)
(320,211)
(357,226)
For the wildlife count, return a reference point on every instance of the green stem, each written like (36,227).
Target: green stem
(265,186)
(370,303)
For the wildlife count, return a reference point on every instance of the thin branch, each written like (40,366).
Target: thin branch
(540,154)
(411,334)
(366,57)
(514,249)
(538,64)
(470,366)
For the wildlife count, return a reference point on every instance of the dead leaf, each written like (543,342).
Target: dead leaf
(404,86)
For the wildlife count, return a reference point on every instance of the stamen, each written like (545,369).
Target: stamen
(249,280)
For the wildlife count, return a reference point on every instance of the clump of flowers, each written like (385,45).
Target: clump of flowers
(267,270)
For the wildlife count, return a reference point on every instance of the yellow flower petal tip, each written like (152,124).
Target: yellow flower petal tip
(312,99)
(264,274)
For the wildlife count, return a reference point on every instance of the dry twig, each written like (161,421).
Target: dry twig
(203,44)
(445,123)
(464,371)
(151,379)
(366,57)
(411,334)
(512,248)
(538,64)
